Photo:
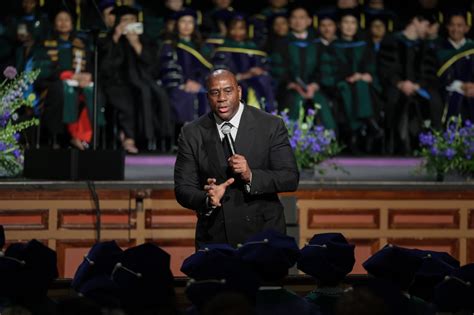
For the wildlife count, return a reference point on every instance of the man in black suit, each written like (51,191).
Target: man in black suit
(234,196)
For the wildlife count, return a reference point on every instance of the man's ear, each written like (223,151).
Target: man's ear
(240,91)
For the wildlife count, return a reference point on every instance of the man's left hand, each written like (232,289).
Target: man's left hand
(239,165)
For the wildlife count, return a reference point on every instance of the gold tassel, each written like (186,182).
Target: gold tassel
(315,22)
(78,14)
(251,31)
(362,20)
(469,18)
(41,3)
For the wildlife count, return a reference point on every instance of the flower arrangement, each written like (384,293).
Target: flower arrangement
(449,150)
(13,96)
(312,143)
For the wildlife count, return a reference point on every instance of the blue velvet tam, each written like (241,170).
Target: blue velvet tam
(122,10)
(327,13)
(184,12)
(101,289)
(221,275)
(196,265)
(454,294)
(397,265)
(328,257)
(144,277)
(435,264)
(271,253)
(104,4)
(100,260)
(28,269)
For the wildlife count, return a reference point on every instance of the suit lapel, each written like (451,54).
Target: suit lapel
(245,134)
(213,147)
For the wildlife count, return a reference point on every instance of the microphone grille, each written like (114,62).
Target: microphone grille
(226,128)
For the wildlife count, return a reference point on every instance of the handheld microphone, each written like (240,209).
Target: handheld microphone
(226,131)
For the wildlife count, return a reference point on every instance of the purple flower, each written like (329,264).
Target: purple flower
(3,146)
(311,112)
(10,72)
(449,153)
(16,136)
(16,153)
(434,151)
(427,139)
(468,123)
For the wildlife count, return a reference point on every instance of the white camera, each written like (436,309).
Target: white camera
(136,28)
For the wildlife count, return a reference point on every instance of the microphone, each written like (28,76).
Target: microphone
(226,131)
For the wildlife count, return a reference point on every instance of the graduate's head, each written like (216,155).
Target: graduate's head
(327,24)
(347,4)
(457,27)
(174,5)
(378,29)
(300,19)
(419,23)
(63,22)
(280,25)
(278,4)
(237,29)
(106,7)
(222,4)
(185,22)
(428,4)
(376,4)
(125,14)
(223,93)
(348,23)
(29,6)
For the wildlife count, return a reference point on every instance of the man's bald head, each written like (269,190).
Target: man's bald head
(220,73)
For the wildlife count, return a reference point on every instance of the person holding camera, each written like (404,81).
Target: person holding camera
(126,62)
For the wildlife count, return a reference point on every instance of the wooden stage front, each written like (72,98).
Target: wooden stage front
(370,214)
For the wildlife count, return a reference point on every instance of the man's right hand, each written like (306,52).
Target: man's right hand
(216,192)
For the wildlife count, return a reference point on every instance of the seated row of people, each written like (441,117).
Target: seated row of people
(376,93)
(246,280)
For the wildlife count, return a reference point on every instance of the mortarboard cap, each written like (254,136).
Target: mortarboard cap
(271,253)
(122,10)
(395,264)
(184,12)
(100,260)
(144,277)
(222,274)
(204,257)
(328,257)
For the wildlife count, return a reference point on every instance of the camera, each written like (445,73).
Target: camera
(136,28)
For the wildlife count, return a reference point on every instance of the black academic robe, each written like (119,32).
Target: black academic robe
(128,83)
(263,140)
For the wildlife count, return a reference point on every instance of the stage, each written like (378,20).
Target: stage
(372,201)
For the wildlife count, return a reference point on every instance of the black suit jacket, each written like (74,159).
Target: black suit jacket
(263,140)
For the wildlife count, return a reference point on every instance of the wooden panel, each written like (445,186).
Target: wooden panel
(170,219)
(84,219)
(471,219)
(22,219)
(63,194)
(424,219)
(470,250)
(343,218)
(179,249)
(378,193)
(449,245)
(71,253)
(363,250)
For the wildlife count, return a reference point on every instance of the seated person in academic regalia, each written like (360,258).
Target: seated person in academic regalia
(456,72)
(379,23)
(127,58)
(249,64)
(214,21)
(328,258)
(407,69)
(271,254)
(28,29)
(275,7)
(65,64)
(300,59)
(396,267)
(261,22)
(356,83)
(184,69)
(277,41)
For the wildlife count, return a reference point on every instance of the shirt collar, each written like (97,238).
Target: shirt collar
(235,121)
(458,44)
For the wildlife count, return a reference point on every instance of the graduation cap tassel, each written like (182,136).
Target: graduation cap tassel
(315,22)
(78,14)
(41,3)
(469,18)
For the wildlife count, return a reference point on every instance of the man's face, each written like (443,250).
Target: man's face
(327,28)
(278,3)
(28,6)
(457,28)
(63,23)
(422,27)
(377,29)
(174,5)
(299,21)
(223,94)
(108,17)
(280,26)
